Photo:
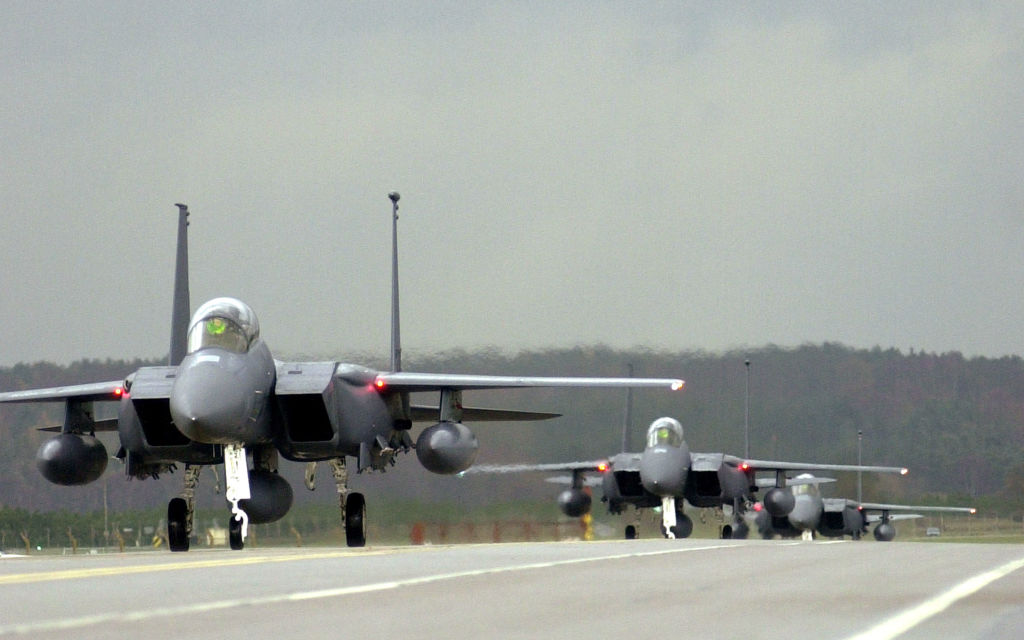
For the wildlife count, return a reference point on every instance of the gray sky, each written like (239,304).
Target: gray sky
(673,175)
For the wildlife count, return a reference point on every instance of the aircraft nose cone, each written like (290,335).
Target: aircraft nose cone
(208,405)
(662,472)
(804,515)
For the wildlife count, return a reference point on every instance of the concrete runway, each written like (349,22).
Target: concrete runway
(636,589)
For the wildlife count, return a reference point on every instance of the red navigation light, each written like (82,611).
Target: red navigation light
(758,506)
(744,466)
(379,383)
(602,466)
(118,391)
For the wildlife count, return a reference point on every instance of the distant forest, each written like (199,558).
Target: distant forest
(957,423)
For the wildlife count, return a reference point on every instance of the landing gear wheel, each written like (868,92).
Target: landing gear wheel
(355,520)
(177,524)
(740,531)
(683,528)
(630,532)
(235,533)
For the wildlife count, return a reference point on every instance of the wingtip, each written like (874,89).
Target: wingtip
(677,385)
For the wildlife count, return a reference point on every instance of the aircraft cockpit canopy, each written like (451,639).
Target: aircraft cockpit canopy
(805,488)
(665,431)
(226,323)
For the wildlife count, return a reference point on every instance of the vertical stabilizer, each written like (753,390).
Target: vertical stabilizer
(396,339)
(627,418)
(180,310)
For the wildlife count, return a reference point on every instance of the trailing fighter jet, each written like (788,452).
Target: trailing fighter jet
(837,517)
(666,472)
(224,399)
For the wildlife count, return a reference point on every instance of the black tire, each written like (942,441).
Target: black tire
(235,533)
(630,532)
(177,525)
(684,525)
(355,520)
(740,531)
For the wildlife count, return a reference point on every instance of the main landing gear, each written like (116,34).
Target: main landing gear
(180,510)
(352,504)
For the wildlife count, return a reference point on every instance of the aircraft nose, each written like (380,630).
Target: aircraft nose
(208,404)
(662,472)
(803,516)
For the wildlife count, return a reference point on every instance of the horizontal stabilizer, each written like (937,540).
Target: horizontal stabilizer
(873,518)
(794,482)
(473,414)
(588,481)
(99,425)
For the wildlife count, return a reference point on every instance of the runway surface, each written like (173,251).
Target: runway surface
(637,589)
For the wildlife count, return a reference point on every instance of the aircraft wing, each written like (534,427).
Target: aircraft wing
(95,391)
(876,506)
(408,381)
(590,465)
(777,465)
(91,392)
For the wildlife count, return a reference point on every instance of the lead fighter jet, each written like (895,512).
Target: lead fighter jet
(223,398)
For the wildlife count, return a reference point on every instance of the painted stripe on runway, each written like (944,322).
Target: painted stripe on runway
(69,574)
(202,607)
(903,622)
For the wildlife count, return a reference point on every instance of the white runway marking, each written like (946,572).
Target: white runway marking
(134,616)
(903,622)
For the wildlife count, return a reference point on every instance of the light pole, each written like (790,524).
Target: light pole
(627,418)
(860,436)
(396,344)
(746,413)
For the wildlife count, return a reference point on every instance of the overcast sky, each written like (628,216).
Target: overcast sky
(669,175)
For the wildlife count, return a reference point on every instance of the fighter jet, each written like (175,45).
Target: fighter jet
(223,399)
(666,472)
(837,517)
